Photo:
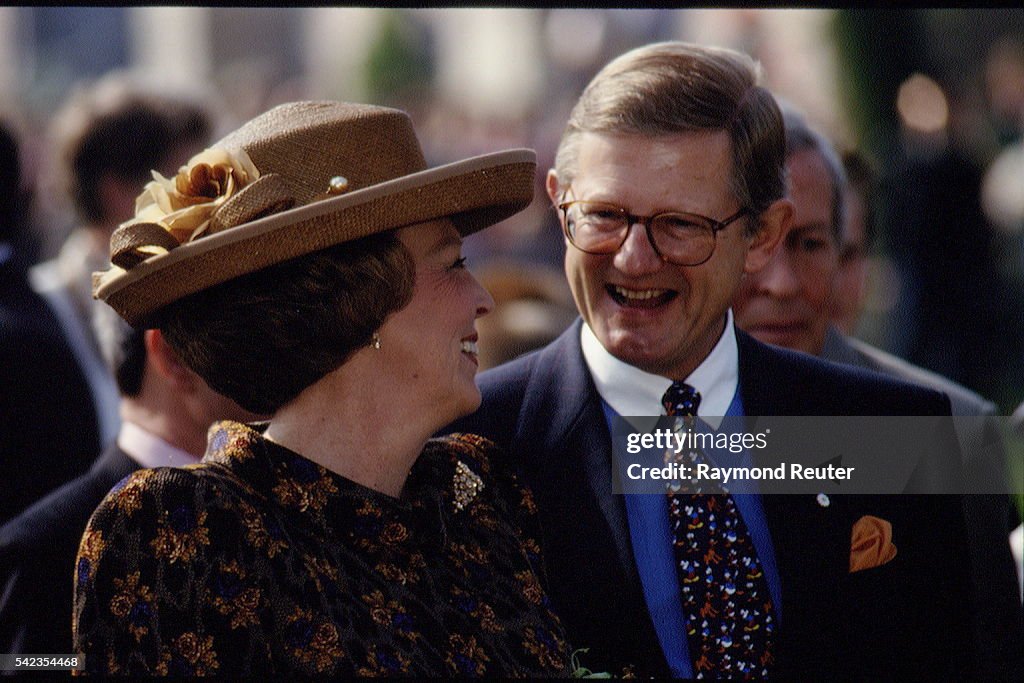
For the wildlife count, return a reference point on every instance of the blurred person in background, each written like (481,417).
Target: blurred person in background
(852,287)
(107,138)
(48,429)
(532,306)
(788,303)
(953,301)
(165,410)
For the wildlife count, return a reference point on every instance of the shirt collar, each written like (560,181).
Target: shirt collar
(149,450)
(631,391)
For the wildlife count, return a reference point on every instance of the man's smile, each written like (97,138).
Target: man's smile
(640,298)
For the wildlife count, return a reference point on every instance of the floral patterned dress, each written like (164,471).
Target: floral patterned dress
(259,561)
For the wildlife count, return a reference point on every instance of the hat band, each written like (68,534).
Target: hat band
(133,243)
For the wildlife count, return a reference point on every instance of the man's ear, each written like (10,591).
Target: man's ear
(166,362)
(773,223)
(552,186)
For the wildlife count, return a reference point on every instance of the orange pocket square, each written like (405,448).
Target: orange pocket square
(871,544)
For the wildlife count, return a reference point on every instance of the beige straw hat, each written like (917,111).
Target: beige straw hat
(302,177)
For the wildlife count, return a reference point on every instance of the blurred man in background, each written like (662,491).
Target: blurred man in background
(851,286)
(108,137)
(48,430)
(165,410)
(788,303)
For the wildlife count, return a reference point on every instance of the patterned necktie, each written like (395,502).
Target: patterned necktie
(726,604)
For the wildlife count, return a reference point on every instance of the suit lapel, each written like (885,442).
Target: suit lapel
(811,539)
(573,438)
(113,463)
(838,350)
(589,555)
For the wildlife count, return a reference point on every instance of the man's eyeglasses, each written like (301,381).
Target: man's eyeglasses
(684,239)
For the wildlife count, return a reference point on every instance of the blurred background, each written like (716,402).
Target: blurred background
(932,99)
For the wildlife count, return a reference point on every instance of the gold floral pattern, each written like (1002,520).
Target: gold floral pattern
(305,495)
(384,661)
(530,586)
(527,503)
(232,597)
(407,575)
(476,607)
(189,655)
(132,604)
(313,641)
(128,490)
(325,575)
(89,551)
(465,656)
(394,533)
(230,439)
(546,645)
(390,614)
(180,534)
(256,532)
(259,563)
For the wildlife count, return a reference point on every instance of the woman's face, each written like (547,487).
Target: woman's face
(430,345)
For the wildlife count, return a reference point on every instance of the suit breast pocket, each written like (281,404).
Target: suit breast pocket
(871,612)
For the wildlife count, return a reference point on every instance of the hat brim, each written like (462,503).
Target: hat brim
(474,193)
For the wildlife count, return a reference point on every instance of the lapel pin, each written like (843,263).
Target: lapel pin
(823,500)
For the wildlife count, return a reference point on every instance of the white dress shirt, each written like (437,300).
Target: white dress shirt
(149,450)
(631,391)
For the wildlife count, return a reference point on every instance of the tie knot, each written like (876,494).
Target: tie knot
(681,399)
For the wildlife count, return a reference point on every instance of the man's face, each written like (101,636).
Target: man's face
(788,302)
(850,288)
(659,317)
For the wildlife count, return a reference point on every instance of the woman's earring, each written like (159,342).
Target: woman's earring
(376,341)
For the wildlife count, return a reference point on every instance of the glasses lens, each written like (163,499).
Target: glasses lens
(683,238)
(596,228)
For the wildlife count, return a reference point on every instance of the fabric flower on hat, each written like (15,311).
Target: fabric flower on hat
(184,204)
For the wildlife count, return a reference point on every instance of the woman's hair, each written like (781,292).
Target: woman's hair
(261,338)
(122,347)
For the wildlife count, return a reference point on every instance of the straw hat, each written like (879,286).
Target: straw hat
(302,177)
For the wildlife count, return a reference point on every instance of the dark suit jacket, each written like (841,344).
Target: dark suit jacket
(48,429)
(907,618)
(999,619)
(37,559)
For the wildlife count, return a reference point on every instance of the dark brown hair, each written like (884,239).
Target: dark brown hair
(122,347)
(261,338)
(675,87)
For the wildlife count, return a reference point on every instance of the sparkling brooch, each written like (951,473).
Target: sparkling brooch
(466,484)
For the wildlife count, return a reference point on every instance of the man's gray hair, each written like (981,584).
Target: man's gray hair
(800,137)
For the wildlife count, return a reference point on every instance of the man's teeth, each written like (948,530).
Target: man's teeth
(638,294)
(469,347)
